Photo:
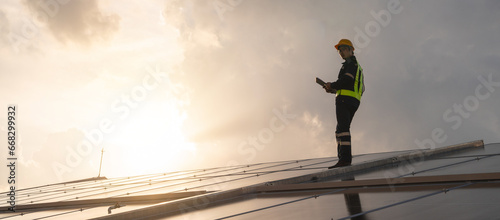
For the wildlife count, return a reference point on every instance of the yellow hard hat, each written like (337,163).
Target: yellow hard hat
(344,42)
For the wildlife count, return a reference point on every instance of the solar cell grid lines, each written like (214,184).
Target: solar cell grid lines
(375,186)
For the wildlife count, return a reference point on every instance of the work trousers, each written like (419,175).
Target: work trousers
(345,108)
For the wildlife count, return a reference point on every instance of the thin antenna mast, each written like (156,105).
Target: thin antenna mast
(100,165)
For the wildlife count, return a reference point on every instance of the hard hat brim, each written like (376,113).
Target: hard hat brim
(345,42)
(337,46)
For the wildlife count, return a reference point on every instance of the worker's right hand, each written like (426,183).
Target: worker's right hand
(328,87)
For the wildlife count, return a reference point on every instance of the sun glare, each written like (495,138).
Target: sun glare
(152,141)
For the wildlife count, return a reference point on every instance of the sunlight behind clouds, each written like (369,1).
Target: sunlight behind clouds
(184,85)
(151,141)
(65,91)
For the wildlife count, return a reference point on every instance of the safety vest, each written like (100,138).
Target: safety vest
(359,86)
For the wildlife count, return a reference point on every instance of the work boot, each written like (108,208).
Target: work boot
(341,164)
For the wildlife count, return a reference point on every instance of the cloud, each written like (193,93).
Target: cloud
(261,58)
(239,66)
(263,54)
(76,21)
(4,27)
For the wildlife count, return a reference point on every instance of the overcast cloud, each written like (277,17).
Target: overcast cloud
(235,80)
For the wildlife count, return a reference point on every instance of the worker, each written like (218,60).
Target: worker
(349,87)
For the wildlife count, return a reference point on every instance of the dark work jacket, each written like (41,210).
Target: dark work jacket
(346,82)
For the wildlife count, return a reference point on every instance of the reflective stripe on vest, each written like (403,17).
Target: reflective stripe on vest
(359,86)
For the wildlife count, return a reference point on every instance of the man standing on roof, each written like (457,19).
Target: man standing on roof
(349,87)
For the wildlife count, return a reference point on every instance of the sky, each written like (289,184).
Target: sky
(158,86)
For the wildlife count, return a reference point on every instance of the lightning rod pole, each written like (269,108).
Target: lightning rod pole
(100,165)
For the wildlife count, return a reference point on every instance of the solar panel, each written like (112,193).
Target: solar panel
(361,191)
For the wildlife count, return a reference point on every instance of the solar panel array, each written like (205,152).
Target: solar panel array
(460,199)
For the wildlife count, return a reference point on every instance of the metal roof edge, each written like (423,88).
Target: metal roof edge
(201,201)
(105,201)
(405,157)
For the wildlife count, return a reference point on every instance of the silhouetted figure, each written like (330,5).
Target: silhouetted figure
(349,87)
